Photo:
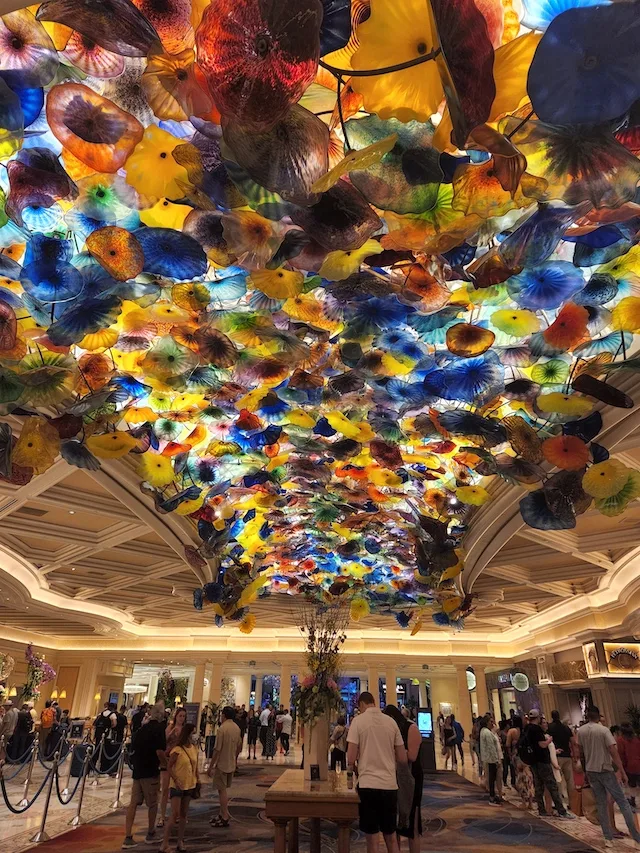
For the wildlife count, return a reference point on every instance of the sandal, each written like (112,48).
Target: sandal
(219,822)
(160,825)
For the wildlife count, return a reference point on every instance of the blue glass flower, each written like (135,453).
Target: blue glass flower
(545,286)
(172,254)
(474,380)
(538,14)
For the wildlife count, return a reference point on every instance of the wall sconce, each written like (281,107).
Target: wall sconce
(13,693)
(54,694)
(63,694)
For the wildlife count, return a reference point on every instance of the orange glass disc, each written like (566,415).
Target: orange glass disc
(117,251)
(92,128)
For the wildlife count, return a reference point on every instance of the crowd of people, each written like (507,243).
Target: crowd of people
(548,764)
(18,729)
(553,766)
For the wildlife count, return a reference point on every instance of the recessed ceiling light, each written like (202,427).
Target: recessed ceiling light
(72,512)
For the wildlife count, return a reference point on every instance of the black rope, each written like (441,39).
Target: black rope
(15,810)
(73,793)
(114,762)
(23,761)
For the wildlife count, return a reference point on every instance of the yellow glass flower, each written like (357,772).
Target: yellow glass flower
(605,479)
(473,495)
(626,315)
(111,445)
(155,469)
(363,158)
(151,170)
(359,609)
(340,265)
(617,504)
(141,415)
(247,624)
(165,214)
(279,283)
(38,445)
(395,33)
(510,68)
(564,404)
(515,322)
(187,507)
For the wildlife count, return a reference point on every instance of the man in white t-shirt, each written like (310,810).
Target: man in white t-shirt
(287,722)
(264,725)
(374,742)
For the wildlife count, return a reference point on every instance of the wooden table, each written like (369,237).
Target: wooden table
(291,798)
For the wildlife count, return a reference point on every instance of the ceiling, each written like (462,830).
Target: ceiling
(97,547)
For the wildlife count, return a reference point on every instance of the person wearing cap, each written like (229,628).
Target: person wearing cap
(541,766)
(601,761)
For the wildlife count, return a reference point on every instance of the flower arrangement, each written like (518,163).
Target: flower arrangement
(170,687)
(318,692)
(7,663)
(39,672)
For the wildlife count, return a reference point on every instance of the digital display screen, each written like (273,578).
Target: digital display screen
(425,722)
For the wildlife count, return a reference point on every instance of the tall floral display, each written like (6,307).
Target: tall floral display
(39,672)
(318,695)
(169,688)
(7,664)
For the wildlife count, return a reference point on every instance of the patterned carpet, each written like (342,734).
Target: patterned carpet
(456,816)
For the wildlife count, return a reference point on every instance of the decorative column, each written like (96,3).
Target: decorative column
(285,685)
(464,702)
(259,677)
(196,686)
(373,682)
(83,701)
(422,693)
(391,697)
(215,685)
(153,688)
(481,691)
(243,689)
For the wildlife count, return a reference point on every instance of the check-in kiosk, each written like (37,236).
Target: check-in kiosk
(428,749)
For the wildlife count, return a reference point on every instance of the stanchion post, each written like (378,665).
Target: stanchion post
(41,835)
(97,763)
(76,820)
(65,793)
(116,804)
(27,782)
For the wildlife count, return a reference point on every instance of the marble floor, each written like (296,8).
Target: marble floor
(17,830)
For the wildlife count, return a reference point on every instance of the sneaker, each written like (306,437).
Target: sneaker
(494,801)
(568,816)
(128,843)
(543,814)
(150,837)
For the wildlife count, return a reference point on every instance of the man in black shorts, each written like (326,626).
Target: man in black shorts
(374,742)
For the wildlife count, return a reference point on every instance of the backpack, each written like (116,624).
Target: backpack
(47,718)
(525,750)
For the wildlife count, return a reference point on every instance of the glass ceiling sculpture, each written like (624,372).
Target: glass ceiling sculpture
(319,268)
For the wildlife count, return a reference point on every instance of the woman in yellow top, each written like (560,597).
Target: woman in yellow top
(184,778)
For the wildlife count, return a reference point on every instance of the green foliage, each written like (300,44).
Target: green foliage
(633,715)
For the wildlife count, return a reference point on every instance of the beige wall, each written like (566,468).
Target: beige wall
(444,688)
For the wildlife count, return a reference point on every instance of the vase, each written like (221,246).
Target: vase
(316,748)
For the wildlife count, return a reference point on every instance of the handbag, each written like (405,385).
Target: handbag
(197,792)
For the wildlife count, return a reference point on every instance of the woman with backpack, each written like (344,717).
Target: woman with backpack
(524,776)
